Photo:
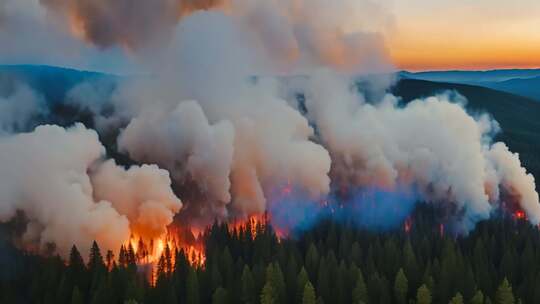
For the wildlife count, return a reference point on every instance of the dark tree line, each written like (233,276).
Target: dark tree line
(330,263)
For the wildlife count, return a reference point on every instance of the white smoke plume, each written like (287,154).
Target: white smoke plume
(47,174)
(189,147)
(142,194)
(513,178)
(214,115)
(19,107)
(432,144)
(205,85)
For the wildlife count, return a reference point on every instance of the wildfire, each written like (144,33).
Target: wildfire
(159,256)
(519,215)
(252,224)
(407,225)
(441,229)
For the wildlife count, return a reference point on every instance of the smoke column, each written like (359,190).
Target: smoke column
(69,196)
(239,137)
(245,98)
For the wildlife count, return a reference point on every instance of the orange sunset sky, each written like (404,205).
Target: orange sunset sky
(465,34)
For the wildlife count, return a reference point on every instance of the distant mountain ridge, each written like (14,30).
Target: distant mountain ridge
(523,82)
(52,82)
(473,76)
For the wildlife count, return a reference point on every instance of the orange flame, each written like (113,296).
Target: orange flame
(520,215)
(159,256)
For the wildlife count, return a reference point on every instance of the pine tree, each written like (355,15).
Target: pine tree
(312,260)
(301,281)
(76,262)
(504,293)
(192,288)
(423,295)
(131,259)
(360,294)
(457,299)
(168,259)
(401,286)
(76,270)
(411,264)
(278,283)
(216,279)
(220,296)
(267,294)
(478,298)
(290,277)
(122,257)
(109,259)
(248,286)
(309,294)
(323,280)
(171,296)
(95,261)
(76,297)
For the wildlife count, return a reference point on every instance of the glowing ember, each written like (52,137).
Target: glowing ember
(520,215)
(407,225)
(287,190)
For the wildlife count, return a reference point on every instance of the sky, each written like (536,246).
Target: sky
(420,35)
(465,34)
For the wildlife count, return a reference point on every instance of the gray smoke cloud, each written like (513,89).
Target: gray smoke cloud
(57,177)
(30,35)
(19,106)
(431,145)
(216,116)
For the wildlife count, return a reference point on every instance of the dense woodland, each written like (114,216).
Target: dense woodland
(330,263)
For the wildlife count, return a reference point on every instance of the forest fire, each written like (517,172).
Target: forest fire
(519,215)
(253,224)
(407,225)
(159,256)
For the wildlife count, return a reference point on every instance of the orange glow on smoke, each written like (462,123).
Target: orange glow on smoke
(76,25)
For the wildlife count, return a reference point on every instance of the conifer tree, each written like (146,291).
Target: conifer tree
(267,294)
(192,288)
(76,297)
(278,283)
(301,282)
(95,261)
(457,299)
(504,293)
(423,295)
(360,294)
(309,294)
(401,287)
(478,298)
(220,296)
(248,286)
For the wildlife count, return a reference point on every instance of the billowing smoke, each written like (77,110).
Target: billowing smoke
(57,177)
(432,145)
(514,180)
(19,106)
(295,32)
(189,147)
(129,23)
(245,98)
(238,136)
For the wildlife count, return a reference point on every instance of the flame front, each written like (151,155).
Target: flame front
(158,256)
